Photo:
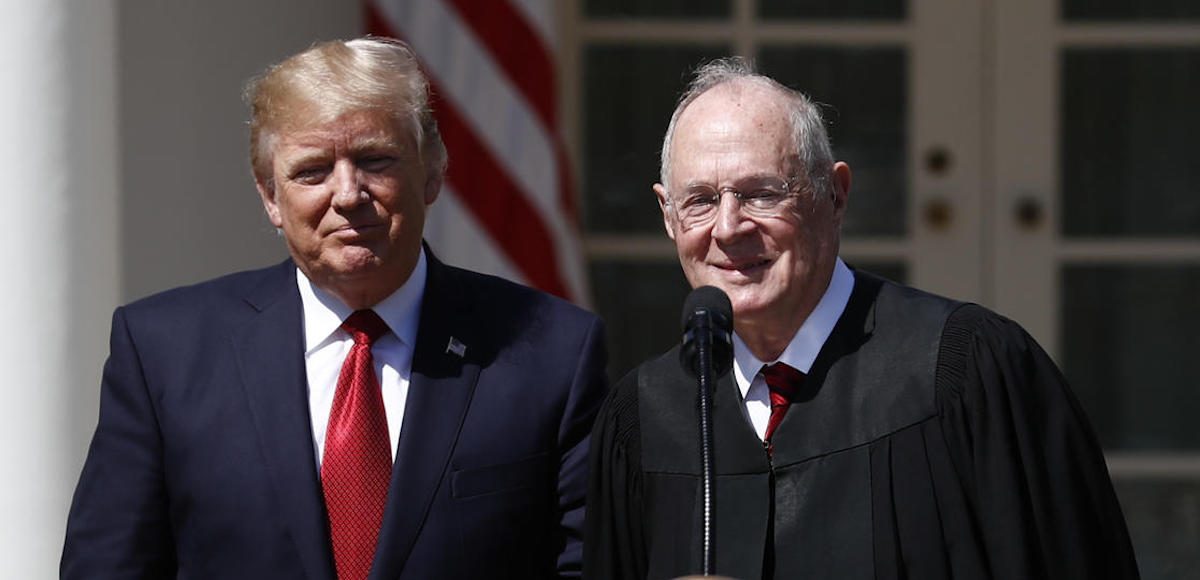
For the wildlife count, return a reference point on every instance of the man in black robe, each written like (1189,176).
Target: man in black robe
(922,438)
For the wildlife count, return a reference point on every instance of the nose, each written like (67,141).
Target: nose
(730,224)
(348,190)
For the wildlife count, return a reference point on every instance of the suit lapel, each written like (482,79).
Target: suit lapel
(270,353)
(440,389)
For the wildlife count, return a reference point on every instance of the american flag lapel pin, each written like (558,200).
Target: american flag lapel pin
(456,348)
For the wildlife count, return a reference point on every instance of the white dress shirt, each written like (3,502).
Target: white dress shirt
(326,346)
(800,352)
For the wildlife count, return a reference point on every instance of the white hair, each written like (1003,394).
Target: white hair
(808,128)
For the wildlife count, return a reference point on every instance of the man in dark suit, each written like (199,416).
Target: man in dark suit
(867,429)
(360,410)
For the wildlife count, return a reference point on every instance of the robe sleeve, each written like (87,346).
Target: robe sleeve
(614,546)
(1029,460)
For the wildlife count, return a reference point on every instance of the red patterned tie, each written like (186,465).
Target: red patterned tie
(784,382)
(357,466)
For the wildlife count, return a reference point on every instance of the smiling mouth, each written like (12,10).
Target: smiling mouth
(358,227)
(356,231)
(745,267)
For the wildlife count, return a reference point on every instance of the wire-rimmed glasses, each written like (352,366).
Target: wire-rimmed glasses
(700,204)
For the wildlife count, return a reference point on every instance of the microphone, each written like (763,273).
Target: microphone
(707,354)
(707,323)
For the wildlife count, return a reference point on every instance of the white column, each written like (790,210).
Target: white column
(60,266)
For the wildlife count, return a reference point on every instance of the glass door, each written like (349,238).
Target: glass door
(1096,245)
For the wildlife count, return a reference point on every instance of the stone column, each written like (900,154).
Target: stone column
(59,261)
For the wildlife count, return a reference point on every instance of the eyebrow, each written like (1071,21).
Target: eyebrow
(379,142)
(311,156)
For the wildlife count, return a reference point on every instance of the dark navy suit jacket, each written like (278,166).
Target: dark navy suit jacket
(202,464)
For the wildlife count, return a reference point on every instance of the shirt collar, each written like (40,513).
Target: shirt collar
(324,312)
(802,351)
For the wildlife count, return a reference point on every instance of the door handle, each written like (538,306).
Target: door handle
(1029,212)
(938,214)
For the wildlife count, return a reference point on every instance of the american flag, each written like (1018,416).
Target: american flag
(508,204)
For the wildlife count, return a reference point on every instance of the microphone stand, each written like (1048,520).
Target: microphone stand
(707,311)
(703,337)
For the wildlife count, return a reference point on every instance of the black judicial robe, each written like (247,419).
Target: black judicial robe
(933,439)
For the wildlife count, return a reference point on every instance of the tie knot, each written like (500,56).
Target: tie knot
(365,326)
(782,380)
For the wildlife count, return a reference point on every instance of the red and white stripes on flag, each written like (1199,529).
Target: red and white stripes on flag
(508,206)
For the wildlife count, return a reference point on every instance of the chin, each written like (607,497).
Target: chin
(745,300)
(356,264)
(742,309)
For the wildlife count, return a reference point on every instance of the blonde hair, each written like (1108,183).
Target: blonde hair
(336,77)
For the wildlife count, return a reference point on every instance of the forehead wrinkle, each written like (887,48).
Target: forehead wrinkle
(756,178)
(732,163)
(322,142)
(726,128)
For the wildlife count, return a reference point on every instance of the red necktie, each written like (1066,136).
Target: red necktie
(357,466)
(784,382)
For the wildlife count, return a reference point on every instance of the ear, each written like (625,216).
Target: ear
(433,186)
(661,193)
(266,190)
(841,188)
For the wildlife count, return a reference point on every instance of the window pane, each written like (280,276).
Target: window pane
(833,9)
(1129,125)
(657,8)
(1129,9)
(640,303)
(1164,522)
(1130,335)
(865,98)
(629,94)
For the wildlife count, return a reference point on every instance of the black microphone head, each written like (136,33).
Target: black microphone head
(710,298)
(707,317)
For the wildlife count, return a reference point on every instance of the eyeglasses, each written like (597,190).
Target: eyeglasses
(700,204)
